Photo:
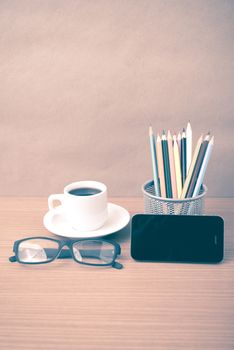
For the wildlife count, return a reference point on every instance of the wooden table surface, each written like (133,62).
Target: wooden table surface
(64,305)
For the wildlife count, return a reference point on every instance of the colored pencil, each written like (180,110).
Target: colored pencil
(188,147)
(177,166)
(203,167)
(160,166)
(154,162)
(166,165)
(172,165)
(179,141)
(191,168)
(197,167)
(183,157)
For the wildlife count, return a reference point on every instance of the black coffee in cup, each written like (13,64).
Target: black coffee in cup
(84,191)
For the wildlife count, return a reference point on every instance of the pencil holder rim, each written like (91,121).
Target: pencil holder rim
(173,200)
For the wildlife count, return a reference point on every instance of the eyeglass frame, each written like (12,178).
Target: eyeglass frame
(67,243)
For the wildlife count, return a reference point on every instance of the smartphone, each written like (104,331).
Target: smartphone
(177,238)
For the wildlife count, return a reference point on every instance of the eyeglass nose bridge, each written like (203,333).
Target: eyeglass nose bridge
(67,253)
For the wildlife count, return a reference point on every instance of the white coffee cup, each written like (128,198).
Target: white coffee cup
(85,212)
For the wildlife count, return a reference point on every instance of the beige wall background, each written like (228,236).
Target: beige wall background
(82,80)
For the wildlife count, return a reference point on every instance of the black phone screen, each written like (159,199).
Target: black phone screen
(176,238)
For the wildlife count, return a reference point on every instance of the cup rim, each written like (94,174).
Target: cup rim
(86,183)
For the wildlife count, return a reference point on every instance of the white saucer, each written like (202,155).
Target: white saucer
(55,221)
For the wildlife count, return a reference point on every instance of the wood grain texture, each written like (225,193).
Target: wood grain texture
(63,305)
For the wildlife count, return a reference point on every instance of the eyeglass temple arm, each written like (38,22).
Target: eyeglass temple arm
(117,265)
(64,254)
(12,259)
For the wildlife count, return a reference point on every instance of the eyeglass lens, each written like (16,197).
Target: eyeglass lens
(94,252)
(37,250)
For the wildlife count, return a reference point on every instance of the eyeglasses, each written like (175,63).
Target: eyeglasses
(43,250)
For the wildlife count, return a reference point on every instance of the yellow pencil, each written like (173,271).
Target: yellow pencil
(177,166)
(172,165)
(160,166)
(191,168)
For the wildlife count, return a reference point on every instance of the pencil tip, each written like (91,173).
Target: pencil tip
(189,128)
(164,132)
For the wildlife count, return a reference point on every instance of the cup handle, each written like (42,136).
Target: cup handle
(54,197)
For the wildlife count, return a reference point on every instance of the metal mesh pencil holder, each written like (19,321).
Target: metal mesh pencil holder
(168,206)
